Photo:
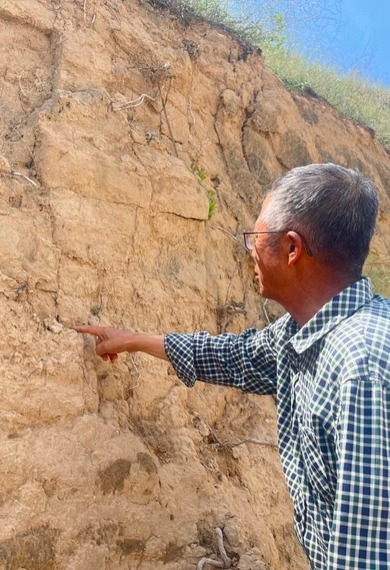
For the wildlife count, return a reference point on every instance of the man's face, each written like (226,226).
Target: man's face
(270,263)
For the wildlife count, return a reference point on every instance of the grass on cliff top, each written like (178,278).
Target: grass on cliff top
(354,97)
(366,103)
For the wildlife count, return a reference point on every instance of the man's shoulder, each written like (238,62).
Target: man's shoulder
(363,339)
(373,318)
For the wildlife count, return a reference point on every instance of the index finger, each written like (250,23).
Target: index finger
(89,329)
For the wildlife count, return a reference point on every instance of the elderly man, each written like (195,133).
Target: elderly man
(327,360)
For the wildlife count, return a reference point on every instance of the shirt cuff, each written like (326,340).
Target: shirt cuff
(179,349)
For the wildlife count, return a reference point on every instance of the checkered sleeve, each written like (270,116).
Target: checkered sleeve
(360,535)
(245,361)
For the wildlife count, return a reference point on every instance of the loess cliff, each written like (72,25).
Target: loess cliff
(122,126)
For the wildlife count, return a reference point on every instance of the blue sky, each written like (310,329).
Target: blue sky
(350,35)
(358,37)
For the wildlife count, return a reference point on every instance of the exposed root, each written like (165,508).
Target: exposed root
(247,440)
(226,562)
(210,562)
(164,104)
(228,234)
(266,312)
(131,104)
(21,175)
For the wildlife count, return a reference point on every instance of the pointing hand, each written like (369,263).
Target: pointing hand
(109,340)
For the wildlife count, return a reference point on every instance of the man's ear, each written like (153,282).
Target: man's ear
(295,247)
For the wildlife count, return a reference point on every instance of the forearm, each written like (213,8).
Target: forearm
(152,344)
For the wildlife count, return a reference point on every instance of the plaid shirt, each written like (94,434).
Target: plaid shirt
(332,380)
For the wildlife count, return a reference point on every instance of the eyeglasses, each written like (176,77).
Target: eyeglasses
(250,239)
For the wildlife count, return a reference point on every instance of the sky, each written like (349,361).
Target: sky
(357,37)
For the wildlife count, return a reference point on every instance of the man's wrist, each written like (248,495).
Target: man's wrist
(133,341)
(152,344)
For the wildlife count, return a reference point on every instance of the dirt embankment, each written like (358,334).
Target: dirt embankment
(121,125)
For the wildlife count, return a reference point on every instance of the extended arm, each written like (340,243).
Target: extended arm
(245,361)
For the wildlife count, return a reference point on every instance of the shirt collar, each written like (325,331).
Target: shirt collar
(332,313)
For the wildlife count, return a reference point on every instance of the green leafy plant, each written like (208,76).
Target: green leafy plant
(212,197)
(211,194)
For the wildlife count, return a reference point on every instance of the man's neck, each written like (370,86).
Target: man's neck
(311,295)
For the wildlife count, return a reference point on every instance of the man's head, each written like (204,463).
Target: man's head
(334,208)
(312,236)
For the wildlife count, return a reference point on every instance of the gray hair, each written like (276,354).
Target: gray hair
(333,207)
